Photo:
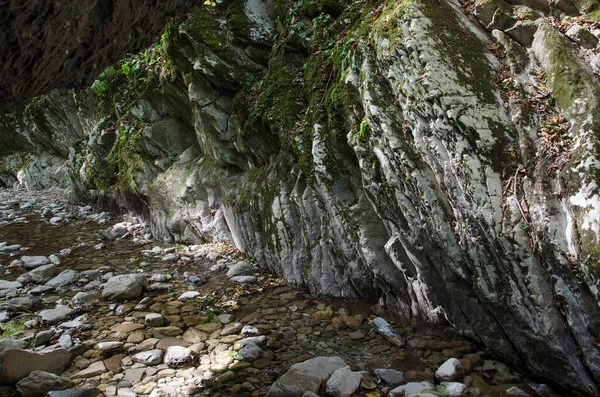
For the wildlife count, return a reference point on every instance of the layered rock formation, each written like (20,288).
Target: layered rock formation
(438,158)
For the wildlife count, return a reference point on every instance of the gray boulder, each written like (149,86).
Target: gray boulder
(124,287)
(177,356)
(38,383)
(67,277)
(249,352)
(582,36)
(149,357)
(16,364)
(25,303)
(243,279)
(32,262)
(7,344)
(410,389)
(56,315)
(389,376)
(9,289)
(75,392)
(305,376)
(241,269)
(343,382)
(43,273)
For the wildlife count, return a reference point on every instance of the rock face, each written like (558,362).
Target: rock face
(399,154)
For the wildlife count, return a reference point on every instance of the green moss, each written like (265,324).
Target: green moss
(237,21)
(12,327)
(202,26)
(594,16)
(567,78)
(278,101)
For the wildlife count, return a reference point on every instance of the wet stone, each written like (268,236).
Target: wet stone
(32,262)
(56,315)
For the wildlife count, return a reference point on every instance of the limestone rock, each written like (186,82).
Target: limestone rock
(38,383)
(16,364)
(32,262)
(582,36)
(305,376)
(523,32)
(177,356)
(75,392)
(66,277)
(149,357)
(389,376)
(42,273)
(411,388)
(449,370)
(94,369)
(24,303)
(343,382)
(124,287)
(8,289)
(56,315)
(241,269)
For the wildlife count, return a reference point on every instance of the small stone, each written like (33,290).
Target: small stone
(9,289)
(154,320)
(225,377)
(94,369)
(343,382)
(38,383)
(248,330)
(193,335)
(230,329)
(522,32)
(385,329)
(56,315)
(127,327)
(161,332)
(150,357)
(44,337)
(65,278)
(177,356)
(411,388)
(449,370)
(249,352)
(125,286)
(305,376)
(516,391)
(213,256)
(109,346)
(43,273)
(243,280)
(65,341)
(389,376)
(226,318)
(32,262)
(455,388)
(189,295)
(582,36)
(75,392)
(241,269)
(25,303)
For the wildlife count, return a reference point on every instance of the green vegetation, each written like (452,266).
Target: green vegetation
(12,327)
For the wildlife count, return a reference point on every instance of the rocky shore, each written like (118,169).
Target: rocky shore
(89,306)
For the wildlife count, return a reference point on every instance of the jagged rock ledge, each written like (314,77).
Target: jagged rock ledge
(436,159)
